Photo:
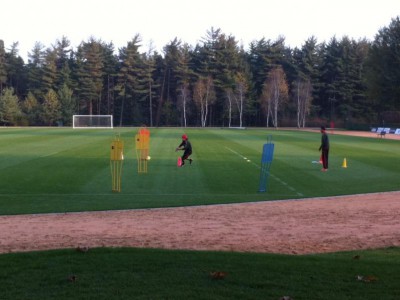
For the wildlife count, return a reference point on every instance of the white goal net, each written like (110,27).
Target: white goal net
(92,121)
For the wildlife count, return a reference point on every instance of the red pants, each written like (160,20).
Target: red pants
(325,156)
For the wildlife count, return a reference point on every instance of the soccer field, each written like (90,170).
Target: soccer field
(61,169)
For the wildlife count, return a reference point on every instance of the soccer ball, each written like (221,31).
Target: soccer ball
(148,157)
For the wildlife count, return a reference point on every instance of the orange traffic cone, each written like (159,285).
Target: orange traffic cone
(344,165)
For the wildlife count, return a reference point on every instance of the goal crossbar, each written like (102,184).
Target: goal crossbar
(92,121)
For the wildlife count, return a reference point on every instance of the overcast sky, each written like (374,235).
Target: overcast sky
(158,21)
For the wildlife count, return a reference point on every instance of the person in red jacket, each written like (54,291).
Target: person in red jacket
(325,149)
(186,146)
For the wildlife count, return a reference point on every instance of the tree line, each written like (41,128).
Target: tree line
(342,82)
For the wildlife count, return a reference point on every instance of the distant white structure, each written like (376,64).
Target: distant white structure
(92,121)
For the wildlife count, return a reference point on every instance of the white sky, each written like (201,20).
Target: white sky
(159,21)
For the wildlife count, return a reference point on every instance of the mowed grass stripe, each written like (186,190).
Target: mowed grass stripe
(54,161)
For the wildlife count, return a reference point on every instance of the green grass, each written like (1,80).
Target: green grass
(158,274)
(60,169)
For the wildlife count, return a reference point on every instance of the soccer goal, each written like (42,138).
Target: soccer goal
(92,121)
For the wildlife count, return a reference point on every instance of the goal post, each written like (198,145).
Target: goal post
(92,121)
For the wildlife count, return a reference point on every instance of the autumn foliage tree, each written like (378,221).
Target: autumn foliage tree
(10,109)
(51,108)
(275,93)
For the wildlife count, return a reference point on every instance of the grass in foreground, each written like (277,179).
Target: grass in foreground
(158,274)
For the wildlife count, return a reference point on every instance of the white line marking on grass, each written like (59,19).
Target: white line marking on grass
(245,158)
(273,176)
(50,154)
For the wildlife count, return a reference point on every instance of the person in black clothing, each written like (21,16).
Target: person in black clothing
(186,146)
(325,149)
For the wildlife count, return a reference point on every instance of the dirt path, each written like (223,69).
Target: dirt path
(294,227)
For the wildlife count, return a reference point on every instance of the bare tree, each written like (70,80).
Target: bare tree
(303,101)
(229,97)
(149,62)
(184,97)
(204,95)
(265,101)
(239,96)
(183,75)
(275,93)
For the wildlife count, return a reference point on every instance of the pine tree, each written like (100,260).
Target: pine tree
(16,71)
(383,69)
(3,70)
(49,70)
(148,81)
(90,76)
(184,74)
(110,66)
(127,79)
(35,70)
